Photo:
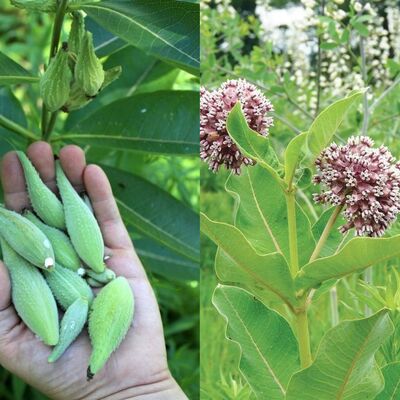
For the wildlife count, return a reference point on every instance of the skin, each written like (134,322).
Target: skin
(138,369)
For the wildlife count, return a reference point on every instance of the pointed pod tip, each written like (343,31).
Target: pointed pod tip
(49,263)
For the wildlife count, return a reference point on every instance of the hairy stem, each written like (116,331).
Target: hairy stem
(16,128)
(50,125)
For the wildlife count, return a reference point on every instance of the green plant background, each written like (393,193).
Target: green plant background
(159,184)
(239,48)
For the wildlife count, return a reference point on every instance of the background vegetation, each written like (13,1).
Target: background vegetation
(303,56)
(156,185)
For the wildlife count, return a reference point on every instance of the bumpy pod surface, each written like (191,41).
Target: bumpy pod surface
(26,239)
(72,324)
(89,73)
(106,276)
(55,82)
(43,200)
(31,296)
(109,321)
(67,286)
(77,32)
(82,226)
(63,250)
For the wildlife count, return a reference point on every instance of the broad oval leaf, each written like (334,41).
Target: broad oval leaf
(345,366)
(251,143)
(261,214)
(269,350)
(391,374)
(155,213)
(12,73)
(269,272)
(358,254)
(166,29)
(165,122)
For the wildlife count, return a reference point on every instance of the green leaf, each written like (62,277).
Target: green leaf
(345,366)
(12,73)
(155,213)
(251,143)
(269,351)
(359,253)
(261,214)
(166,29)
(391,374)
(164,262)
(328,121)
(293,154)
(165,122)
(269,271)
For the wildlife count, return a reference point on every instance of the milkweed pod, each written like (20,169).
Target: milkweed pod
(67,286)
(77,32)
(106,276)
(26,239)
(63,250)
(55,82)
(72,324)
(45,203)
(32,297)
(82,226)
(93,283)
(89,73)
(109,321)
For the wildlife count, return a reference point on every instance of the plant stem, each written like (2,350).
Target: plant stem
(291,211)
(50,126)
(368,279)
(55,40)
(326,232)
(303,337)
(334,306)
(16,128)
(319,61)
(364,128)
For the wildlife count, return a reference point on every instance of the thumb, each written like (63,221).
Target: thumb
(5,288)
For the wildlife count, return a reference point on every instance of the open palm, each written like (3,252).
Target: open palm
(138,369)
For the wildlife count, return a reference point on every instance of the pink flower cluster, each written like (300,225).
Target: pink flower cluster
(216,146)
(365,180)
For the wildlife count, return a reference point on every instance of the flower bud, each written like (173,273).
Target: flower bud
(89,73)
(56,81)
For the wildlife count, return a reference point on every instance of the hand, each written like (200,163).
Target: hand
(138,369)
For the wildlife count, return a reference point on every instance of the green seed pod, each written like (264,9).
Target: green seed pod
(67,286)
(43,200)
(55,82)
(109,321)
(82,226)
(63,250)
(72,324)
(77,32)
(93,283)
(106,276)
(89,73)
(36,5)
(31,296)
(111,75)
(26,239)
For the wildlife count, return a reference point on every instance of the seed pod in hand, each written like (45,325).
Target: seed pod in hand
(63,250)
(77,32)
(109,321)
(106,276)
(72,324)
(31,296)
(67,286)
(55,82)
(82,226)
(26,239)
(43,200)
(89,73)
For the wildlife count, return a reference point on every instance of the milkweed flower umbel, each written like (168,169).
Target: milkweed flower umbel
(364,180)
(216,146)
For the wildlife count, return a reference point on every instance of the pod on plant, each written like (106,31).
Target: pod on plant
(67,286)
(43,200)
(93,283)
(26,239)
(106,276)
(77,32)
(109,321)
(89,73)
(55,82)
(72,324)
(31,296)
(63,250)
(82,226)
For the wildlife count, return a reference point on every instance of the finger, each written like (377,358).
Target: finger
(13,181)
(41,156)
(5,288)
(105,208)
(73,163)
